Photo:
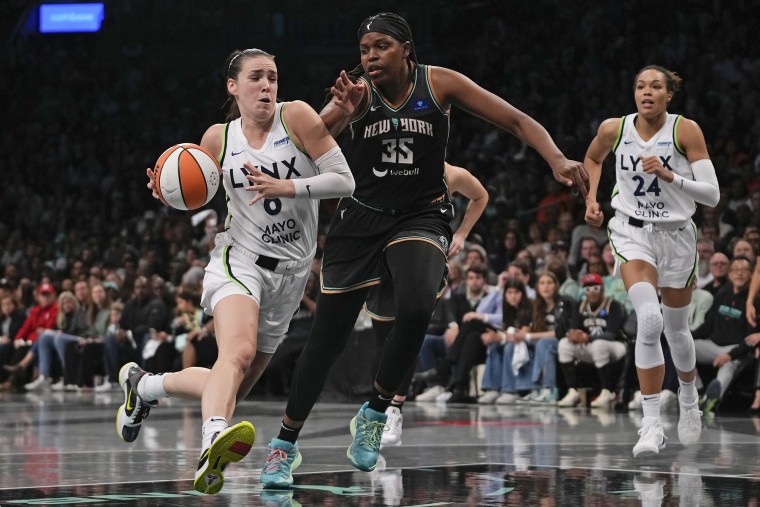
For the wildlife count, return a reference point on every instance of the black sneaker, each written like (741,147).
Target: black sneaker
(131,414)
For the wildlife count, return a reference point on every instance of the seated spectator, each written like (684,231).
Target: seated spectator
(720,340)
(582,232)
(507,373)
(522,271)
(456,337)
(161,352)
(719,270)
(201,349)
(142,312)
(41,317)
(84,358)
(71,324)
(743,248)
(568,287)
(705,251)
(551,317)
(593,337)
(589,246)
(507,251)
(11,319)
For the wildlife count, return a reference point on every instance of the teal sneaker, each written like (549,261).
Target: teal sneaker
(367,430)
(282,458)
(278,498)
(546,396)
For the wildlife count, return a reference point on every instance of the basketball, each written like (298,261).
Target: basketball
(187,176)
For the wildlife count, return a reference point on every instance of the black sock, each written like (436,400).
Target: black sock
(397,404)
(379,401)
(288,433)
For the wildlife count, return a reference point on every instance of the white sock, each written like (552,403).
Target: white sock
(650,405)
(151,387)
(211,426)
(688,392)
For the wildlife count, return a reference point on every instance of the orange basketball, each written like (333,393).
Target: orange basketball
(187,176)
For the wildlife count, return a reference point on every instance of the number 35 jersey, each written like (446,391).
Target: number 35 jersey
(644,196)
(396,154)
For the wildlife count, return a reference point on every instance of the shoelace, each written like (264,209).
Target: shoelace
(275,458)
(694,416)
(648,430)
(371,434)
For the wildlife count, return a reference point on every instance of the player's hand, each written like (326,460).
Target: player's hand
(594,215)
(751,314)
(571,173)
(653,165)
(456,246)
(152,185)
(348,95)
(265,186)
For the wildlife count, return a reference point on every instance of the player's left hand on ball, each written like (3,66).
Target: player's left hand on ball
(152,182)
(265,186)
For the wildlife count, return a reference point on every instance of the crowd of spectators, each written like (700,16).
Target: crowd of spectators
(84,114)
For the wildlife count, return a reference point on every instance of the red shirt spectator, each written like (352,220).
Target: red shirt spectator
(41,316)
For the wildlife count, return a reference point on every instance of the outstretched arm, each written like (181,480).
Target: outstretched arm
(348,99)
(451,87)
(460,180)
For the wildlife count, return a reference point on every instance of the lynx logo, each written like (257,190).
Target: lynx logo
(420,105)
(281,143)
(444,243)
(663,144)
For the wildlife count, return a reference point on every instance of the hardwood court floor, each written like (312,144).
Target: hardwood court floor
(62,449)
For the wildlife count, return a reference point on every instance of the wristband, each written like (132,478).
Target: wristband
(528,337)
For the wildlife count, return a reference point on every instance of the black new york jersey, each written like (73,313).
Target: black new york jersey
(397,155)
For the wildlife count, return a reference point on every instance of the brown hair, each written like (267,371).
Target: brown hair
(232,67)
(672,79)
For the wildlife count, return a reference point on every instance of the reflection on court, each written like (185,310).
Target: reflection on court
(61,449)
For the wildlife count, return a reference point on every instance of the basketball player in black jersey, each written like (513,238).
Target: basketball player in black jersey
(396,225)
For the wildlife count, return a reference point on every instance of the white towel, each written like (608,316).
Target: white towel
(520,356)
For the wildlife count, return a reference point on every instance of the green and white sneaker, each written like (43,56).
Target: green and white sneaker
(228,446)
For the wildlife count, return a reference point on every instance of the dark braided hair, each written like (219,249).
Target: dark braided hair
(401,26)
(232,67)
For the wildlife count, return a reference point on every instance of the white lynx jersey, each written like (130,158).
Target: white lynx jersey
(282,228)
(644,196)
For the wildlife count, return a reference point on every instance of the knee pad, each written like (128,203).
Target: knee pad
(679,337)
(648,350)
(650,323)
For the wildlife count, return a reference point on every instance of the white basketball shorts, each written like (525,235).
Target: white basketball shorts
(672,251)
(232,270)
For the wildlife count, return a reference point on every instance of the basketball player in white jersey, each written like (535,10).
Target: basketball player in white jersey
(277,160)
(662,170)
